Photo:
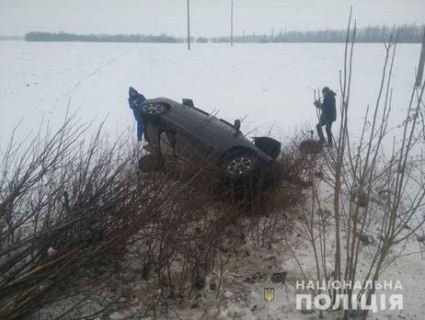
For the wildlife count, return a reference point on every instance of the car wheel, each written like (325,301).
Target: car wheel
(154,109)
(240,165)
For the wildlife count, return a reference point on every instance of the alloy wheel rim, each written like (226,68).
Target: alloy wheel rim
(239,166)
(153,108)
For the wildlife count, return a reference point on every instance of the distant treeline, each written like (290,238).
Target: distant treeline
(62,36)
(402,34)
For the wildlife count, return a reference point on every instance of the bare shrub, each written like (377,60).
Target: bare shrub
(377,192)
(64,206)
(74,213)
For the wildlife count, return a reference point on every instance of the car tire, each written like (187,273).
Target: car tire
(240,165)
(154,109)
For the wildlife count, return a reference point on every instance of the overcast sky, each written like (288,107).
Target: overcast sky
(209,17)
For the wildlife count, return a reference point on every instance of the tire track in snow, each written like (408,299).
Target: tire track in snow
(103,66)
(52,72)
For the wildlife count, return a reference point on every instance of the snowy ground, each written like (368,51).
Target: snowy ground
(272,85)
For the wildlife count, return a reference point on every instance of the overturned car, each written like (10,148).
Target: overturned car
(182,131)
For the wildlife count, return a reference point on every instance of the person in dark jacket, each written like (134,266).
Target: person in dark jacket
(134,100)
(328,115)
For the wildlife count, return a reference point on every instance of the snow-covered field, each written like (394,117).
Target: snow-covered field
(269,84)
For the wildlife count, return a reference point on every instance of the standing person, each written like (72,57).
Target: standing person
(134,100)
(327,116)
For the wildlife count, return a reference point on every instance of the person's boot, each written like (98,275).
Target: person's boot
(329,144)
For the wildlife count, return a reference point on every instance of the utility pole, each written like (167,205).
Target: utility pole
(231,24)
(188,25)
(421,63)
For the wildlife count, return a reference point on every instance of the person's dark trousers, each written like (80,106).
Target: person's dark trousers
(324,122)
(139,124)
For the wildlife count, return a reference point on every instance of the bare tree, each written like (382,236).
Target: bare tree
(378,192)
(421,64)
